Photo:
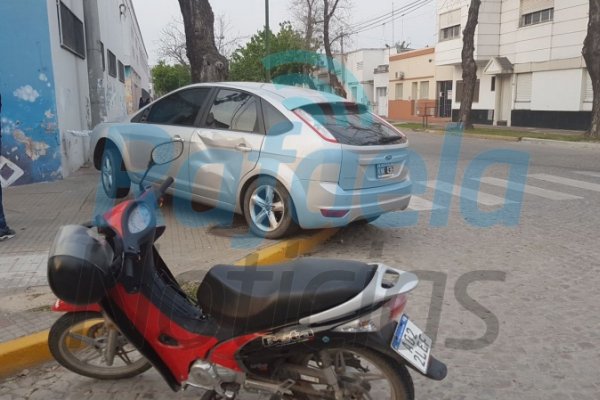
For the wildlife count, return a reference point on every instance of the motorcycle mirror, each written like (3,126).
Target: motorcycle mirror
(167,152)
(162,154)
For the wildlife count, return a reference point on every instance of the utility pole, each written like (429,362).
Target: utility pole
(267,40)
(393,27)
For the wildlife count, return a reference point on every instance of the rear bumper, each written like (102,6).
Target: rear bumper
(312,197)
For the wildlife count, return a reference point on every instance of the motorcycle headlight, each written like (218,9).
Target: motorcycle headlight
(140,218)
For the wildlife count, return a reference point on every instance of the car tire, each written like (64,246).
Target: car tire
(269,209)
(364,221)
(115,180)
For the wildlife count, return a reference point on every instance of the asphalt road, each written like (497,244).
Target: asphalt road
(509,286)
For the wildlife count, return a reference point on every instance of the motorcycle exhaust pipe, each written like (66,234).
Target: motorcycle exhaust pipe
(268,387)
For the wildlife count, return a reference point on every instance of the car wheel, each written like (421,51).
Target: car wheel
(268,209)
(364,221)
(115,181)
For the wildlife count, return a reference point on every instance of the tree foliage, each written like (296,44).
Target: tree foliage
(167,78)
(591,53)
(247,63)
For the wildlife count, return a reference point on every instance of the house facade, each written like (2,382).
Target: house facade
(66,66)
(358,74)
(415,87)
(530,69)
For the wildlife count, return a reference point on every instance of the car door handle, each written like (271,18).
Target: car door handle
(178,139)
(243,147)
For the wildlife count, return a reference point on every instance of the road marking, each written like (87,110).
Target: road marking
(473,195)
(589,173)
(420,204)
(567,182)
(536,191)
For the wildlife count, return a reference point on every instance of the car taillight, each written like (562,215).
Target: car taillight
(315,125)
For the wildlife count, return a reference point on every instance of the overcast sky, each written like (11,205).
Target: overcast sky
(247,16)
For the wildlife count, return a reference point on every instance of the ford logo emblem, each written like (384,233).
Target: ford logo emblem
(388,158)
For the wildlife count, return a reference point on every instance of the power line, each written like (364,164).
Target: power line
(397,15)
(387,17)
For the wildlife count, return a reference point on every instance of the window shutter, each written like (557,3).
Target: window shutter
(529,6)
(524,83)
(589,89)
(450,18)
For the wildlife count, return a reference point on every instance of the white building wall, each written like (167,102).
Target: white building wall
(72,92)
(360,66)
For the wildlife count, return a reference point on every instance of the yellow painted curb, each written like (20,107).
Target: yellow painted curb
(286,250)
(32,350)
(22,353)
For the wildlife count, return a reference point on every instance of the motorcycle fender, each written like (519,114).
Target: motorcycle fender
(63,306)
(380,342)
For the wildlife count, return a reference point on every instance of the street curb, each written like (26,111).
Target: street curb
(286,250)
(22,353)
(590,145)
(29,351)
(582,144)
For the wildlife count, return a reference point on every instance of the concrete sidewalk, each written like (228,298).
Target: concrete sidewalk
(191,243)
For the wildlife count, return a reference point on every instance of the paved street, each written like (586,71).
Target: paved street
(514,310)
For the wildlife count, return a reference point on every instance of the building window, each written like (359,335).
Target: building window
(452,32)
(424,94)
(589,89)
(537,17)
(399,91)
(493,84)
(359,66)
(72,36)
(459,91)
(524,85)
(112,64)
(121,72)
(103,56)
(449,25)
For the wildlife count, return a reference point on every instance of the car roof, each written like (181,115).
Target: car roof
(291,97)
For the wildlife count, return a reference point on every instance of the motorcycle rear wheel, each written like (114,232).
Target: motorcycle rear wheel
(78,342)
(362,374)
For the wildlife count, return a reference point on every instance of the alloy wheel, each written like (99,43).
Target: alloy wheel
(267,208)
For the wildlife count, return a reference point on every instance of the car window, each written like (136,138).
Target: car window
(353,124)
(180,108)
(275,122)
(233,110)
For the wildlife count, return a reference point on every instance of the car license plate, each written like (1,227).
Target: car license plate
(385,170)
(412,344)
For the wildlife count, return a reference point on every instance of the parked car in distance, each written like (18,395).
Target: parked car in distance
(282,156)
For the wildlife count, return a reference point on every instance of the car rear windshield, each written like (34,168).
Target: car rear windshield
(353,124)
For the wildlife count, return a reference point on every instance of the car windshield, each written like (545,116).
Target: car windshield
(353,124)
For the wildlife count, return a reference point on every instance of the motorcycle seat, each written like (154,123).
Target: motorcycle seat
(249,299)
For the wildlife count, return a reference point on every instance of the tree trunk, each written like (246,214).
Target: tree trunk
(591,53)
(328,13)
(207,65)
(469,67)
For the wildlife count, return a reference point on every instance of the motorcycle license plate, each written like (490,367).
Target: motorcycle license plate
(412,344)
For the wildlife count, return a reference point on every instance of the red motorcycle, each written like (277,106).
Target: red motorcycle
(309,329)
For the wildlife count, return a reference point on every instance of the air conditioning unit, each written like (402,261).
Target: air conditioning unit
(400,75)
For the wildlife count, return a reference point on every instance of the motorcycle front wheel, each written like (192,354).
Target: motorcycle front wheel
(87,344)
(361,374)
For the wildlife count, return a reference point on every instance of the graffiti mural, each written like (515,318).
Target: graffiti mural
(30,136)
